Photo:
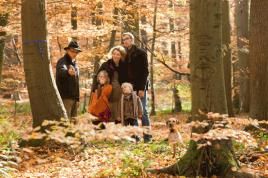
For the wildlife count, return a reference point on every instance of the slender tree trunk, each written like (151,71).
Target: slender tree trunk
(3,22)
(179,50)
(115,22)
(16,50)
(144,37)
(97,14)
(242,23)
(152,60)
(208,88)
(74,17)
(227,62)
(258,56)
(45,100)
(131,18)
(2,46)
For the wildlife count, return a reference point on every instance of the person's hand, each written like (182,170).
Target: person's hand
(141,93)
(71,70)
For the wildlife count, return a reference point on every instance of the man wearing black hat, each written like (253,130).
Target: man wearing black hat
(67,78)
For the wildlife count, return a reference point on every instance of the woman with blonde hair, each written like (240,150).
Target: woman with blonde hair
(115,67)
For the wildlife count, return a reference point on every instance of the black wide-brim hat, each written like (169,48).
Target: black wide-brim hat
(73,45)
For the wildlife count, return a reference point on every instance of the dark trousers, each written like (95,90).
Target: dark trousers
(71,107)
(131,122)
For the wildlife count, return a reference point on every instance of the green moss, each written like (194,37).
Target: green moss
(207,161)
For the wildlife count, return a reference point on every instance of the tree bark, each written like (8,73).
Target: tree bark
(45,100)
(144,36)
(242,24)
(113,33)
(74,18)
(258,56)
(152,61)
(131,19)
(208,87)
(227,63)
(3,22)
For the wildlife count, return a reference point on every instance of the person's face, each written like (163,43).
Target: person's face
(126,89)
(127,41)
(102,79)
(116,55)
(72,53)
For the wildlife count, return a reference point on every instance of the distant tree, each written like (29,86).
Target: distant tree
(115,22)
(3,23)
(74,17)
(152,61)
(242,24)
(131,18)
(227,61)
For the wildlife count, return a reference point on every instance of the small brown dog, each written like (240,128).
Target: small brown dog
(174,137)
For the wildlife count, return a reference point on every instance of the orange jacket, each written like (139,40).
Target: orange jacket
(99,107)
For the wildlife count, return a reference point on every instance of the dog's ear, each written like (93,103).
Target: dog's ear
(167,122)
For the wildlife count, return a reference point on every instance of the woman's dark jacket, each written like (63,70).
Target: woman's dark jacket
(110,67)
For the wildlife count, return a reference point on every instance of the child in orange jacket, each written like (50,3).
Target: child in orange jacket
(99,105)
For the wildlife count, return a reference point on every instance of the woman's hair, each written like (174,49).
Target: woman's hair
(120,49)
(105,73)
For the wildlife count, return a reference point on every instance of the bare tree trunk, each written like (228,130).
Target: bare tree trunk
(115,22)
(97,14)
(258,56)
(227,62)
(131,19)
(144,37)
(74,17)
(152,60)
(176,97)
(208,86)
(45,100)
(242,23)
(16,50)
(3,22)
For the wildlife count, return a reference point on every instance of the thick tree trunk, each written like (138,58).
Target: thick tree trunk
(3,22)
(208,87)
(258,59)
(45,100)
(227,62)
(242,23)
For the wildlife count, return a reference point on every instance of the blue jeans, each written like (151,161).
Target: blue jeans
(145,118)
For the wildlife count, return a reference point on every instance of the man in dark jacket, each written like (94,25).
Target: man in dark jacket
(137,73)
(67,79)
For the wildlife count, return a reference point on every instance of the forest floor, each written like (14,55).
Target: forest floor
(119,158)
(103,158)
